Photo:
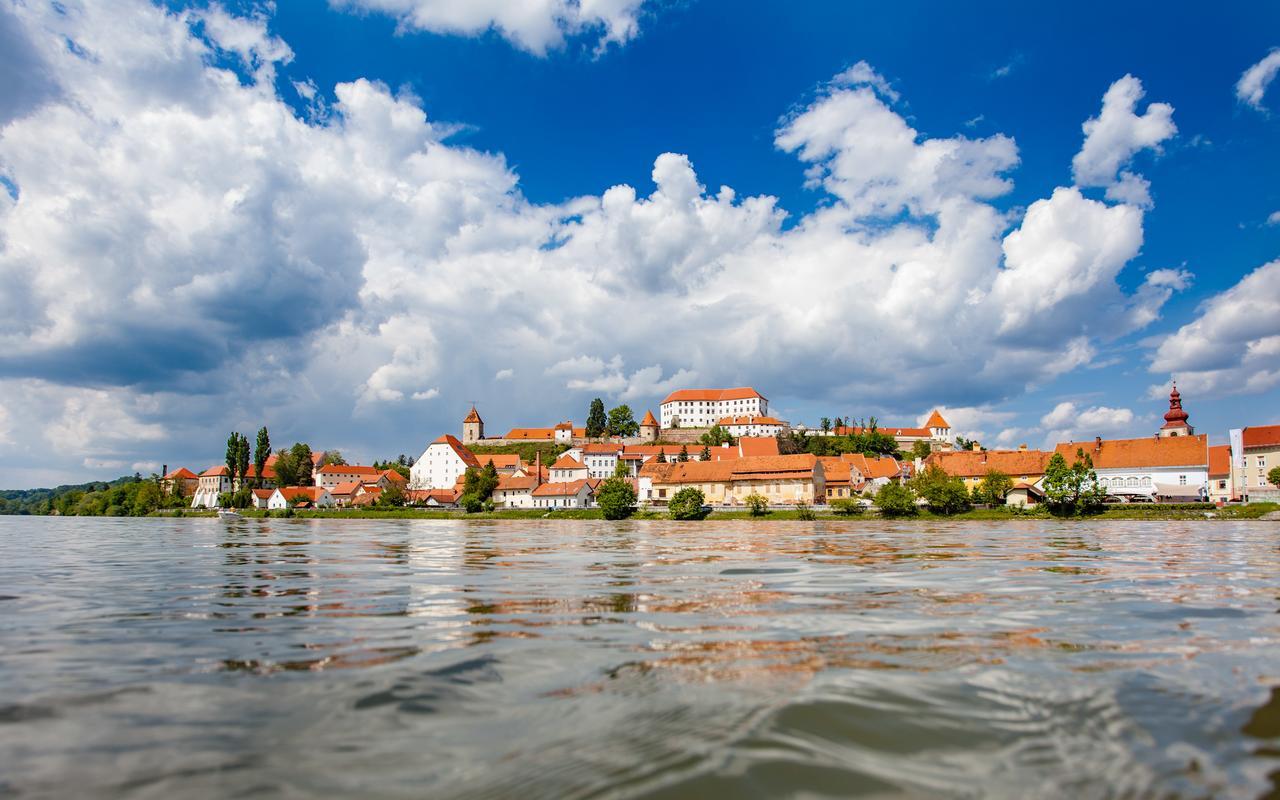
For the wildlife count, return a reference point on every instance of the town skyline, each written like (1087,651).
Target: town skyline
(346,221)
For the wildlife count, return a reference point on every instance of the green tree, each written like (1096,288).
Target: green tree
(146,498)
(392,496)
(921,450)
(846,506)
(944,493)
(478,487)
(1071,490)
(622,422)
(333,457)
(757,504)
(896,500)
(394,466)
(597,422)
(616,498)
(621,470)
(715,437)
(261,452)
(1273,477)
(993,488)
(687,504)
(242,461)
(293,466)
(825,422)
(662,457)
(233,454)
(705,455)
(302,457)
(805,512)
(683,456)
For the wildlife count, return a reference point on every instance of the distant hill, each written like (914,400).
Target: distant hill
(40,501)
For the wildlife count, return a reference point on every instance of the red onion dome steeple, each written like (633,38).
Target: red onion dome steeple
(1175,417)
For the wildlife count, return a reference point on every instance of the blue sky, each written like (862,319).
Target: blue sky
(224,216)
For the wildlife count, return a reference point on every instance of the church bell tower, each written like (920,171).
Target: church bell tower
(472,427)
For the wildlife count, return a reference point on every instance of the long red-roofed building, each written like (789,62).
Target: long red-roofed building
(702,408)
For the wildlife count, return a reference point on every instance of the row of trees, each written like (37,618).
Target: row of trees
(619,421)
(868,442)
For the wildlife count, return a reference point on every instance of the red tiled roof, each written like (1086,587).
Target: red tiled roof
(474,416)
(443,496)
(916,433)
(936,421)
(212,471)
(747,420)
(872,468)
(970,464)
(755,468)
(290,493)
(463,453)
(648,421)
(565,489)
(602,448)
(1220,460)
(708,395)
(758,446)
(835,468)
(1169,451)
(514,483)
(568,462)
(181,472)
(347,469)
(263,494)
(1261,436)
(350,487)
(500,460)
(394,477)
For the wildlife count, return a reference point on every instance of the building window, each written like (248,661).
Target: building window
(1182,480)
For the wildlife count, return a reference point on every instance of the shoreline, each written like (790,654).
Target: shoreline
(1254,511)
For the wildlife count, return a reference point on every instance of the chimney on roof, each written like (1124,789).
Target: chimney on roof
(1022,448)
(975,447)
(1097,444)
(164,470)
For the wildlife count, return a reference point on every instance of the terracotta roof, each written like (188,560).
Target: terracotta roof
(474,416)
(872,468)
(648,421)
(316,457)
(466,455)
(568,462)
(936,421)
(500,460)
(181,472)
(1170,451)
(970,464)
(918,433)
(565,489)
(264,494)
(835,468)
(747,420)
(291,493)
(267,471)
(1220,460)
(602,448)
(443,496)
(708,395)
(350,487)
(756,468)
(1261,436)
(516,482)
(652,450)
(394,477)
(211,471)
(757,446)
(347,469)
(543,433)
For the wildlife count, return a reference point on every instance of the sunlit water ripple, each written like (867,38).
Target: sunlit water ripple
(162,658)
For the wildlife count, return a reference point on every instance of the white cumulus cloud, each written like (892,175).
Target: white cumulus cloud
(533,25)
(1233,346)
(1115,136)
(1254,81)
(1070,422)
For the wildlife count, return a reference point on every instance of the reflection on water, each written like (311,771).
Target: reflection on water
(574,659)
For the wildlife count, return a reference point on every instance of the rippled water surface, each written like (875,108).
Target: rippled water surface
(189,658)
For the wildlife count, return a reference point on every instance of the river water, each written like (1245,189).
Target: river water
(540,659)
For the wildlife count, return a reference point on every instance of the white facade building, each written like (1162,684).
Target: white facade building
(441,464)
(702,408)
(751,426)
(288,497)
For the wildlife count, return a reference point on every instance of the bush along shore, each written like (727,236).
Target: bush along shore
(1184,511)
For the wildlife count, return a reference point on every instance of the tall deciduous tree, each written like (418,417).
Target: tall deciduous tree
(597,422)
(1074,489)
(242,460)
(622,422)
(993,489)
(233,454)
(261,452)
